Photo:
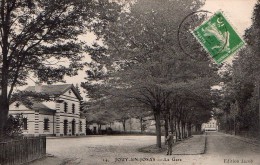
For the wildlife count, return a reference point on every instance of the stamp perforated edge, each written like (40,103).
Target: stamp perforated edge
(224,58)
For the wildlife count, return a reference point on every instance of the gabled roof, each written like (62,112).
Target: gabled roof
(55,90)
(37,106)
(42,107)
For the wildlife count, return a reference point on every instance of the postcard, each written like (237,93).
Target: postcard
(130,82)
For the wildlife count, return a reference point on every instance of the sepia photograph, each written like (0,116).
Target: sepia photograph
(129,82)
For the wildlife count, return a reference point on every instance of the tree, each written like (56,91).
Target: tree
(253,38)
(241,86)
(143,58)
(37,35)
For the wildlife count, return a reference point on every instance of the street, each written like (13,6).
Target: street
(226,149)
(220,149)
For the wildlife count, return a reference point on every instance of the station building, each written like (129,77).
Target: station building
(60,117)
(212,125)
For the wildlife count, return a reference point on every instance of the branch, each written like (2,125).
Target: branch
(20,65)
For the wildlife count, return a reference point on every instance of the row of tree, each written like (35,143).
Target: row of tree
(140,69)
(240,110)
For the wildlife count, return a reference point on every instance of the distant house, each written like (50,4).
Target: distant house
(58,118)
(210,126)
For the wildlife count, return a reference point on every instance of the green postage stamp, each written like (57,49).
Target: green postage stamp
(218,37)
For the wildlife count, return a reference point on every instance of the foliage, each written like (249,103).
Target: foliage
(13,127)
(144,64)
(241,84)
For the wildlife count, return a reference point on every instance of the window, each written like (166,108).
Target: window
(80,126)
(46,124)
(73,108)
(65,107)
(25,123)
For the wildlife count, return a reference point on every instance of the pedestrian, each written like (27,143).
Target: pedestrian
(169,140)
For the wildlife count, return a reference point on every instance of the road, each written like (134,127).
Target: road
(102,150)
(226,149)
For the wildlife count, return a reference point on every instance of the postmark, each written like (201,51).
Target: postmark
(218,37)
(186,41)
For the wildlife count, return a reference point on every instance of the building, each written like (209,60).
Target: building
(210,126)
(132,125)
(60,117)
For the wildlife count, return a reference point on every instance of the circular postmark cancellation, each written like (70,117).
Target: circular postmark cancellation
(186,40)
(215,35)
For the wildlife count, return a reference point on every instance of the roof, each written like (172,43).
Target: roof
(55,90)
(42,107)
(39,106)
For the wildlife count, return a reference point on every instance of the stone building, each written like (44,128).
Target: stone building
(212,125)
(54,118)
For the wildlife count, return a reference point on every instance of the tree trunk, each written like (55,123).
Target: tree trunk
(258,94)
(184,130)
(180,127)
(234,125)
(189,129)
(199,127)
(166,127)
(141,124)
(4,100)
(157,116)
(176,128)
(124,121)
(171,122)
(227,123)
(4,108)
(179,130)
(130,123)
(99,129)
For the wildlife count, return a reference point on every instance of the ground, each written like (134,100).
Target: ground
(218,149)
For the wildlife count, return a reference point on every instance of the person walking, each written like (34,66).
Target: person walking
(169,140)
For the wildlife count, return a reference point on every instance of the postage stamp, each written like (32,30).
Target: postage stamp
(218,37)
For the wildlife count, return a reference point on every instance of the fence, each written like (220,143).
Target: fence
(22,151)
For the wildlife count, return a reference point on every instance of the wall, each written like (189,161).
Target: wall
(27,113)
(70,98)
(49,131)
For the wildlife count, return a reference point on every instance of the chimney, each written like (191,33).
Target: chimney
(38,87)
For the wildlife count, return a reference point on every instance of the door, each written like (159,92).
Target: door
(73,125)
(65,127)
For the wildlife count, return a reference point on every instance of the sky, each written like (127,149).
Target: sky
(238,12)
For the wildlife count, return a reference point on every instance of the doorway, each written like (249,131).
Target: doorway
(73,125)
(65,127)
